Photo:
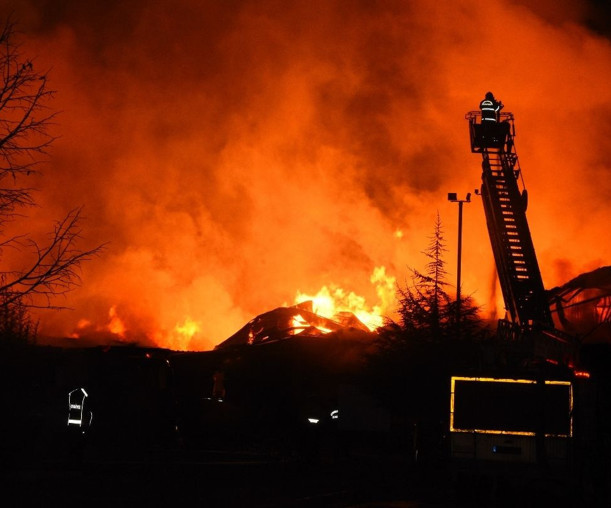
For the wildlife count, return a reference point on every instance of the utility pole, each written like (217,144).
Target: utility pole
(453,198)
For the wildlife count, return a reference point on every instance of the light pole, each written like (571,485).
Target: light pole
(452,197)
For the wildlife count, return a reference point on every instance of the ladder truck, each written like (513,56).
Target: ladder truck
(529,327)
(520,412)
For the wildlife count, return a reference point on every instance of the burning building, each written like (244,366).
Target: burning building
(286,322)
(234,153)
(582,306)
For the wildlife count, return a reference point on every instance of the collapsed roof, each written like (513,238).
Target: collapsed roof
(582,306)
(286,322)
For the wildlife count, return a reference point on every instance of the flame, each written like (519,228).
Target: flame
(188,328)
(303,146)
(299,324)
(183,333)
(603,309)
(80,326)
(330,301)
(116,326)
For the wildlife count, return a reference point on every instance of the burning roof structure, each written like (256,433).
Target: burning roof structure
(336,106)
(286,322)
(582,306)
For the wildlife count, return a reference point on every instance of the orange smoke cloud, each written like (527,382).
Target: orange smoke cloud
(233,153)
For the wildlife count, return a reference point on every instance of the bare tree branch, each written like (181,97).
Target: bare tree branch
(24,115)
(54,266)
(55,270)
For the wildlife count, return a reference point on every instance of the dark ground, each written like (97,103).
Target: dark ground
(210,479)
(240,479)
(157,440)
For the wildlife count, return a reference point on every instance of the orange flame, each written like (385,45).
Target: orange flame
(300,324)
(330,301)
(115,325)
(332,149)
(182,334)
(80,326)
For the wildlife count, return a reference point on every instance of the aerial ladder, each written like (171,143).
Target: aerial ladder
(521,416)
(529,325)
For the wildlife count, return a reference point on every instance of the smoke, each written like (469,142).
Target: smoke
(234,153)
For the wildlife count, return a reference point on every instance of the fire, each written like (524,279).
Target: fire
(188,328)
(115,325)
(182,334)
(603,309)
(299,324)
(81,325)
(333,147)
(330,301)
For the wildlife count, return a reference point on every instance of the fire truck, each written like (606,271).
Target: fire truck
(524,413)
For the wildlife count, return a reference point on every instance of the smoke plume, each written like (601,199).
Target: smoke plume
(234,153)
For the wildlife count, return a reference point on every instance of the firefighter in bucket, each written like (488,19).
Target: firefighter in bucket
(493,132)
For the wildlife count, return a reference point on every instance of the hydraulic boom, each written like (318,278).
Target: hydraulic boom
(505,201)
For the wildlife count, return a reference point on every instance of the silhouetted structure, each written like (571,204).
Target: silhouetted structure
(537,402)
(582,306)
(504,198)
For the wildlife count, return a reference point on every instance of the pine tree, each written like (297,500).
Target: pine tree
(417,354)
(425,306)
(428,314)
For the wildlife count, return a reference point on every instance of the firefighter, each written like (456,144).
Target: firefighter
(79,414)
(490,108)
(79,421)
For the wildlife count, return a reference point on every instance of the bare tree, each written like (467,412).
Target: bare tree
(25,119)
(55,269)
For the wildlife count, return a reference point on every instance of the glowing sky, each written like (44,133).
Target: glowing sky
(234,153)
